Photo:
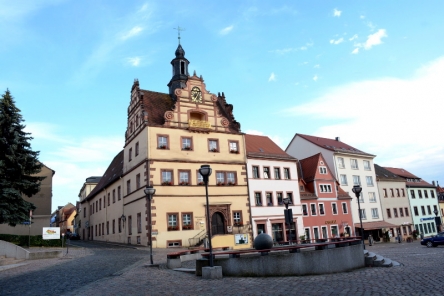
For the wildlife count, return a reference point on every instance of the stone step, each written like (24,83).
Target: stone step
(387,263)
(378,261)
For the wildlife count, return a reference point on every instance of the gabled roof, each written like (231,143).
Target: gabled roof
(385,175)
(332,145)
(309,167)
(407,175)
(112,173)
(156,104)
(264,147)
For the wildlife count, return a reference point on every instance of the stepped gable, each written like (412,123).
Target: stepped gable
(227,111)
(264,147)
(112,173)
(333,145)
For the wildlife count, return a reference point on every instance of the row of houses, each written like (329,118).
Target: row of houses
(170,135)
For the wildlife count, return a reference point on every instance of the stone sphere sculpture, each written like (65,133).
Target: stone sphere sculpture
(263,241)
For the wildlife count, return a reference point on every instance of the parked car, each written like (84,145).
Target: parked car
(74,236)
(433,241)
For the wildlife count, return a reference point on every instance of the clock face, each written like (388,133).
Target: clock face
(196,95)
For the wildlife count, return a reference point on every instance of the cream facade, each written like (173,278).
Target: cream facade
(168,138)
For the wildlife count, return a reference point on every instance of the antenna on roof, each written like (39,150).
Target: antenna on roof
(178,32)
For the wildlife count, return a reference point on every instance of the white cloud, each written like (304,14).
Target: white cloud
(362,17)
(73,159)
(371,26)
(135,61)
(131,33)
(375,39)
(284,50)
(390,117)
(353,38)
(226,30)
(317,66)
(355,51)
(315,78)
(340,40)
(337,12)
(272,77)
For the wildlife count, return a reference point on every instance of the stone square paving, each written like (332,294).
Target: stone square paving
(108,270)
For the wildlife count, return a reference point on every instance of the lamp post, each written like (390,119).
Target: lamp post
(205,171)
(149,192)
(288,214)
(357,191)
(437,221)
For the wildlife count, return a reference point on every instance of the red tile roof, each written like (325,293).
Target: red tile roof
(309,167)
(332,145)
(264,147)
(407,175)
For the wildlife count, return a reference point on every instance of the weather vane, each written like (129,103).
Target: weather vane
(178,32)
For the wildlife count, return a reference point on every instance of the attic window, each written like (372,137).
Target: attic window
(261,150)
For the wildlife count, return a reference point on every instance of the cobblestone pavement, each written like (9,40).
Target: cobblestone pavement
(116,271)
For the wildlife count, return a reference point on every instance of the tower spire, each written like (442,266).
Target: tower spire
(178,32)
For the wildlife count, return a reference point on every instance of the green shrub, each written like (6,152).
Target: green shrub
(35,240)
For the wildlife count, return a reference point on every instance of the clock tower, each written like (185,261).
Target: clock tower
(180,72)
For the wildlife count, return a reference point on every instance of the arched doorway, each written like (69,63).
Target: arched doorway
(217,224)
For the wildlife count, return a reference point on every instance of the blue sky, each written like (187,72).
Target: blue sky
(369,72)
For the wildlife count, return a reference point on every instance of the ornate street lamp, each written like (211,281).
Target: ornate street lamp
(288,214)
(357,191)
(149,192)
(205,171)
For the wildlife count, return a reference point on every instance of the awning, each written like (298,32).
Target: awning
(375,225)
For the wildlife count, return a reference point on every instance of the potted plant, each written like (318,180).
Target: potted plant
(234,151)
(167,183)
(213,149)
(231,183)
(186,148)
(186,227)
(220,184)
(162,146)
(170,228)
(201,183)
(183,183)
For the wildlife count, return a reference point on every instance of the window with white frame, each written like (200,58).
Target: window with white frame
(237,218)
(369,180)
(354,164)
(334,208)
(213,145)
(184,177)
(172,222)
(313,209)
(304,210)
(220,178)
(344,180)
(186,144)
(231,178)
(325,188)
(321,209)
(375,213)
(322,170)
(255,172)
(233,147)
(162,142)
(277,173)
(344,208)
(286,173)
(367,165)
(372,197)
(200,180)
(266,172)
(258,198)
(363,216)
(356,180)
(341,163)
(167,177)
(361,197)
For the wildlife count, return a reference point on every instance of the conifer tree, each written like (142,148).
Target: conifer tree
(17,165)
